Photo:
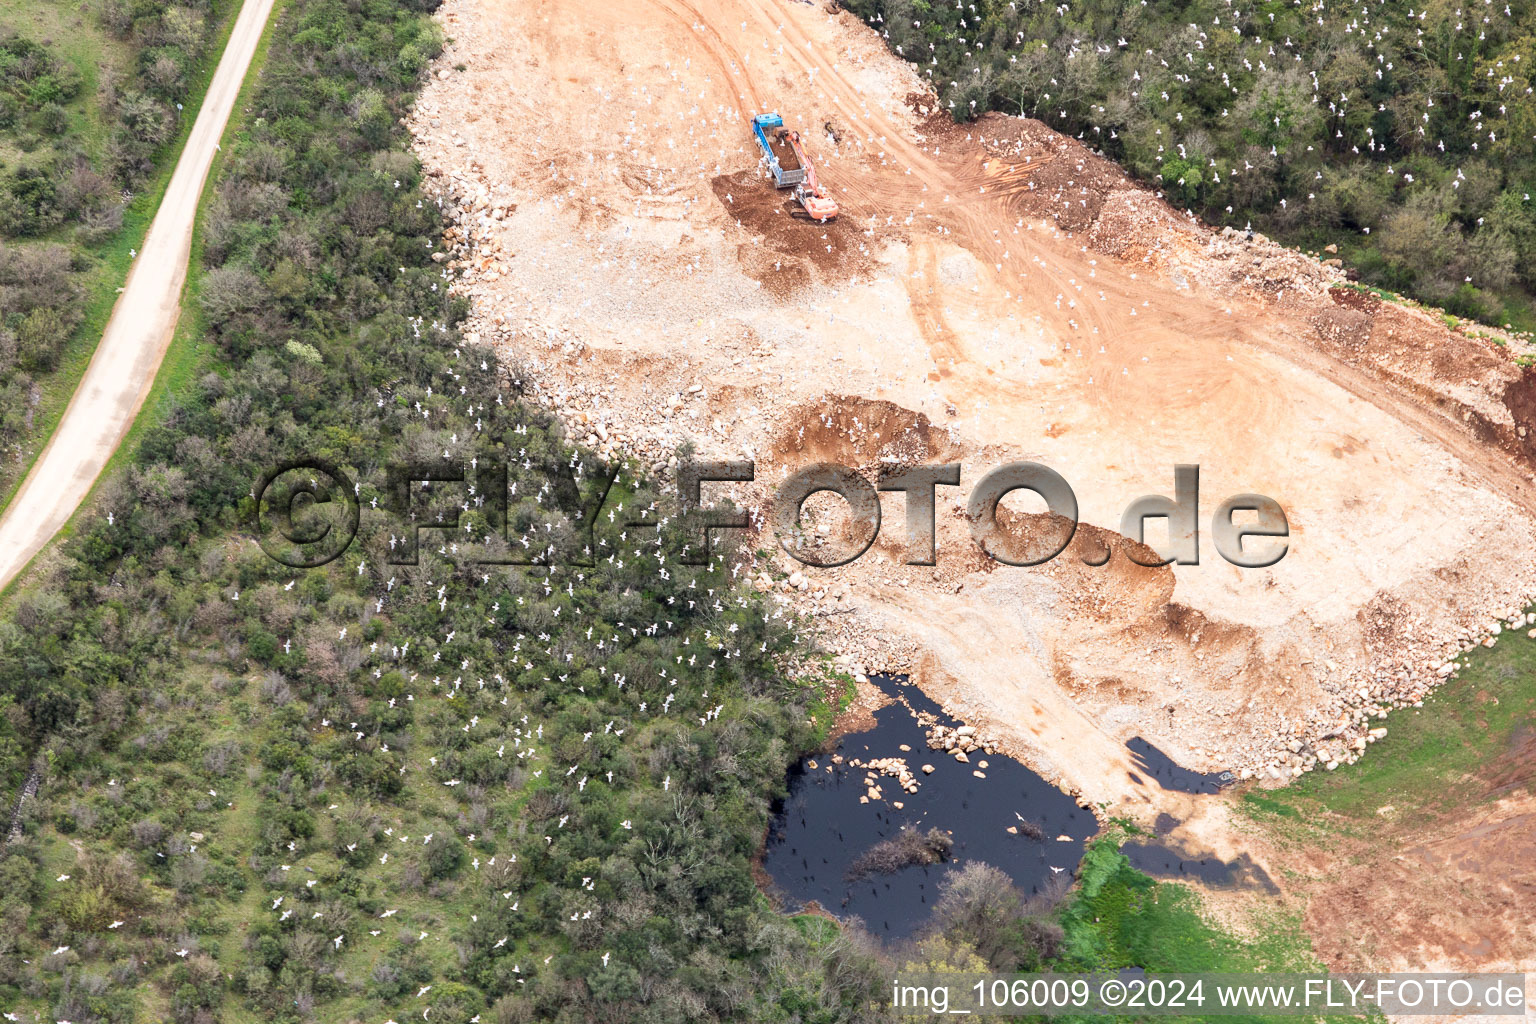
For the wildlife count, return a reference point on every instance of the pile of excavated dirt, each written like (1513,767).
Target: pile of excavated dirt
(991,293)
(787,247)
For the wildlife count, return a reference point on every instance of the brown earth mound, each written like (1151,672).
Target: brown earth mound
(788,242)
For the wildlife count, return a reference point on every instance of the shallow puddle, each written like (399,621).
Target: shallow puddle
(1162,861)
(1169,774)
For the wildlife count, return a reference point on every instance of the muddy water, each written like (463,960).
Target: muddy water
(822,827)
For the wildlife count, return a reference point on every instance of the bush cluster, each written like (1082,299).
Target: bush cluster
(1405,133)
(318,726)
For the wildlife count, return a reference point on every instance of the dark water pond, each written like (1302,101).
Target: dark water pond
(822,827)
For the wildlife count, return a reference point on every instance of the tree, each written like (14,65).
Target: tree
(40,338)
(1418,238)
(1278,111)
(980,906)
(229,291)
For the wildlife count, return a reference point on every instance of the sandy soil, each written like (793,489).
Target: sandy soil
(990,293)
(124,365)
(1463,896)
(1448,892)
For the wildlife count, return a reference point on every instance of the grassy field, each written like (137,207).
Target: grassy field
(1433,759)
(76,35)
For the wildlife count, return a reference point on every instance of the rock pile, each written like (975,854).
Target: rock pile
(893,767)
(1257,264)
(1340,731)
(960,742)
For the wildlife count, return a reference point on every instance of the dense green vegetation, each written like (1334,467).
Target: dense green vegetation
(554,777)
(80,123)
(1404,133)
(1115,917)
(1118,917)
(91,99)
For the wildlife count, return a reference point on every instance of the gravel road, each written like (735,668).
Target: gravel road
(123,368)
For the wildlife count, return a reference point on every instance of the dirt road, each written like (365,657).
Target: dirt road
(121,372)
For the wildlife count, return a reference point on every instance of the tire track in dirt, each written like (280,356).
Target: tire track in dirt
(943,346)
(1210,328)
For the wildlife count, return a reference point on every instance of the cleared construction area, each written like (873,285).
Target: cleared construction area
(988,293)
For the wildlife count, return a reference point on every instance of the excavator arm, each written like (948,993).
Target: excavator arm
(810,193)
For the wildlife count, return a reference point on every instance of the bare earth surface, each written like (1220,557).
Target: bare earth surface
(121,372)
(990,293)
